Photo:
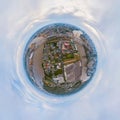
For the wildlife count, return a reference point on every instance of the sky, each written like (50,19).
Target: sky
(100,99)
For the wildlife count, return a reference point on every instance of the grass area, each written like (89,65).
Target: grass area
(68,56)
(72,60)
(59,71)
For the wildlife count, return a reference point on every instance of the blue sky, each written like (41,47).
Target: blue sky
(100,19)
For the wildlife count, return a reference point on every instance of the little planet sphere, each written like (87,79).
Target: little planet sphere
(60,59)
